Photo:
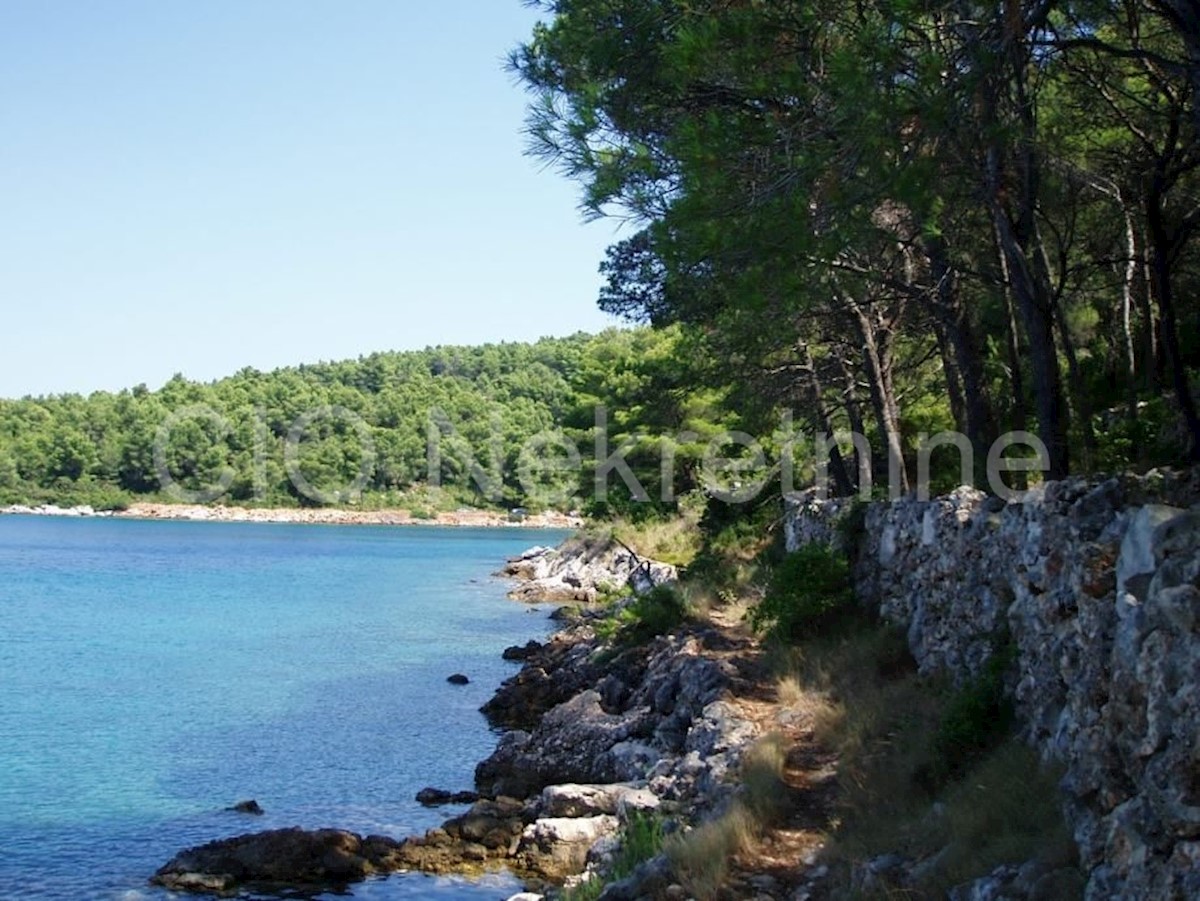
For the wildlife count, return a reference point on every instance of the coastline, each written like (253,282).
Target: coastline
(586,741)
(463,518)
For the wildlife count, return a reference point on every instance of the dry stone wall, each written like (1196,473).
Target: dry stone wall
(1097,585)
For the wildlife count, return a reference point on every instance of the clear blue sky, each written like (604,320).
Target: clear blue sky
(200,186)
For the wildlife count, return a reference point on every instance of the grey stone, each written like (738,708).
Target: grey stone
(1098,584)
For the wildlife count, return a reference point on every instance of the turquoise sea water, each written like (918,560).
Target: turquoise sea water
(153,673)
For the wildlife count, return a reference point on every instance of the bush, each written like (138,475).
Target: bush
(641,839)
(809,591)
(977,718)
(648,615)
(658,611)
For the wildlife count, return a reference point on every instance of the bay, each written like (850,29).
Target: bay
(153,673)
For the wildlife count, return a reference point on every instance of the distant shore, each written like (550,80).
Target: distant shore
(465,517)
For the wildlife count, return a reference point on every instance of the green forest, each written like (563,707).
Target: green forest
(361,431)
(892,218)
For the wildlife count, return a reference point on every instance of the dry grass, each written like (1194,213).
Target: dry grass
(825,715)
(675,540)
(869,706)
(1004,810)
(790,693)
(762,774)
(701,857)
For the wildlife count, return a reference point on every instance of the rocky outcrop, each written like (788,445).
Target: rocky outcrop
(281,857)
(582,570)
(577,741)
(650,714)
(1096,587)
(553,673)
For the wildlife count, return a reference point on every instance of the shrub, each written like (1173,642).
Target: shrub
(977,718)
(648,615)
(809,591)
(658,611)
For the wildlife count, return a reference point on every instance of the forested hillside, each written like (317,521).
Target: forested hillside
(898,215)
(361,431)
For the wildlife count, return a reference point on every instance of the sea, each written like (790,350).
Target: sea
(153,674)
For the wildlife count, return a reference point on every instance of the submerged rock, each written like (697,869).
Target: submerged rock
(458,679)
(522,652)
(436,797)
(251,807)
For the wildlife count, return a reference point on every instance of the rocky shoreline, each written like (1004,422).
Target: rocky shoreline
(596,733)
(465,517)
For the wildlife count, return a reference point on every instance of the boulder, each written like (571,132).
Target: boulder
(280,857)
(573,800)
(557,847)
(458,679)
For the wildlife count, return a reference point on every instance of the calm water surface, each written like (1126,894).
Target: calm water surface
(152,673)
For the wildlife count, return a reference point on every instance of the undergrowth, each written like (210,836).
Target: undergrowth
(653,613)
(925,770)
(701,856)
(807,593)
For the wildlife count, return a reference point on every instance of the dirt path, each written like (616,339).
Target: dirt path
(779,861)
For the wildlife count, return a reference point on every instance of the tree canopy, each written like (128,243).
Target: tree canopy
(901,211)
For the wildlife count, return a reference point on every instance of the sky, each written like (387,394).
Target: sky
(196,187)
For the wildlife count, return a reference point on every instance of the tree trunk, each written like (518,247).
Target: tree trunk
(1128,288)
(1020,416)
(1154,372)
(1162,244)
(953,378)
(883,398)
(1018,237)
(1083,407)
(862,467)
(837,463)
(1033,306)
(980,422)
